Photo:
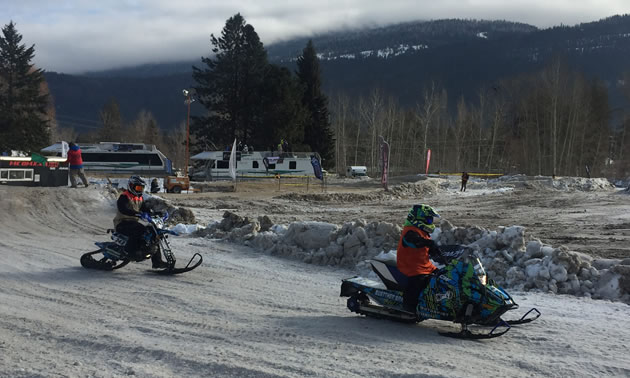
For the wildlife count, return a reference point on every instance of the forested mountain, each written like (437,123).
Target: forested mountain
(461,56)
(390,41)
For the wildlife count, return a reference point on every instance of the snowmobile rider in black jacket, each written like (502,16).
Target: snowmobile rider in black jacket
(130,205)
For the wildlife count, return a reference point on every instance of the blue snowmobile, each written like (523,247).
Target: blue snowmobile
(460,292)
(112,255)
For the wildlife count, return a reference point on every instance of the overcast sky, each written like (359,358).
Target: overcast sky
(74,36)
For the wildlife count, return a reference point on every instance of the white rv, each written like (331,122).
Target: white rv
(215,165)
(114,157)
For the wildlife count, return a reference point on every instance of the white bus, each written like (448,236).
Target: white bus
(215,165)
(114,157)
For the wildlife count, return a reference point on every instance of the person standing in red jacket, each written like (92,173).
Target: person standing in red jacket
(412,255)
(75,161)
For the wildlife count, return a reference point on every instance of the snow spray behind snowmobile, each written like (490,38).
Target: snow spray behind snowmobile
(458,292)
(112,255)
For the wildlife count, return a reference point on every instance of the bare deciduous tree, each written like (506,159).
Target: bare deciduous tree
(112,122)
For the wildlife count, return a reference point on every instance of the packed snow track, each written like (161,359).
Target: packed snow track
(243,313)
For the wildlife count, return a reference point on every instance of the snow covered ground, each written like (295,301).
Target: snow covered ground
(251,311)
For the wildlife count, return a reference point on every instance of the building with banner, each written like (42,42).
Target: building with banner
(23,171)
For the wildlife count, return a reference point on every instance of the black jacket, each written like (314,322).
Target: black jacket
(416,241)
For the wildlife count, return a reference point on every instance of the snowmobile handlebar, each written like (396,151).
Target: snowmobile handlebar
(443,254)
(149,216)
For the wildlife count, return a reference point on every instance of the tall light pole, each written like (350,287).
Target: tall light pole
(188,101)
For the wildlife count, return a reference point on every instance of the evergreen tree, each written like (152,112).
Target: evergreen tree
(317,130)
(284,115)
(23,120)
(229,86)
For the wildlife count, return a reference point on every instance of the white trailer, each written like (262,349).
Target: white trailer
(214,165)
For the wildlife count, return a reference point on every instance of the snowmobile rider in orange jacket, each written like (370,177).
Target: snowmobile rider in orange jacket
(129,206)
(412,255)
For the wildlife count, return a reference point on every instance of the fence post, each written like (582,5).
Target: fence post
(308,179)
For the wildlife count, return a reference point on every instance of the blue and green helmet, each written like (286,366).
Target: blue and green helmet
(421,216)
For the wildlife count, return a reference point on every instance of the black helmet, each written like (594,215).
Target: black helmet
(136,185)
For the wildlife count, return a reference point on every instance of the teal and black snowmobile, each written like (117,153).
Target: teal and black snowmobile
(113,255)
(459,292)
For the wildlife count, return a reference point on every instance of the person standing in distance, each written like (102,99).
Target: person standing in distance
(75,161)
(464,181)
(155,186)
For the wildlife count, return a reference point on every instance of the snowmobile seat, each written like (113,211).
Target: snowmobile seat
(390,275)
(386,260)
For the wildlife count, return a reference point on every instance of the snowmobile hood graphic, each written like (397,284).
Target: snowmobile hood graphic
(459,291)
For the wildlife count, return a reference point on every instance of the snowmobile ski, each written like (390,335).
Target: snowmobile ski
(523,319)
(172,270)
(466,334)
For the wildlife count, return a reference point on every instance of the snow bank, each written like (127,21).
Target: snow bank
(504,183)
(108,194)
(181,228)
(121,183)
(476,186)
(176,214)
(559,183)
(420,188)
(513,262)
(312,242)
(509,259)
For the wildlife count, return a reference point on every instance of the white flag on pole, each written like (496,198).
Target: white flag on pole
(233,161)
(64,149)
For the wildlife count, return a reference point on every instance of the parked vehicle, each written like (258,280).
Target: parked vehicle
(356,170)
(113,157)
(175,184)
(215,165)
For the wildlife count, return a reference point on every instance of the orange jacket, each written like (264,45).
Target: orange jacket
(414,260)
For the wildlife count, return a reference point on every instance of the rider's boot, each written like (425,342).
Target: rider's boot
(157,263)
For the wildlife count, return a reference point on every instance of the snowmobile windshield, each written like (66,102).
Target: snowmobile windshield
(158,221)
